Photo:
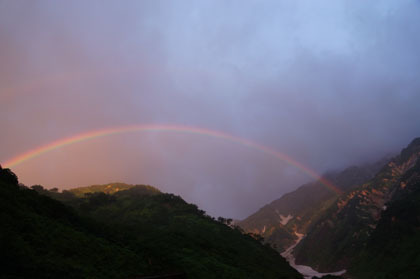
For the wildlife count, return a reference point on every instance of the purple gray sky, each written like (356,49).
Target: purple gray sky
(330,83)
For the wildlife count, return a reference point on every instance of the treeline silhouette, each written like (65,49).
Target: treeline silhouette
(137,232)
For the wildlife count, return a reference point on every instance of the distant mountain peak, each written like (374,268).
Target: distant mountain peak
(349,223)
(279,220)
(112,188)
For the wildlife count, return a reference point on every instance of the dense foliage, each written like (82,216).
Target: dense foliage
(43,238)
(132,232)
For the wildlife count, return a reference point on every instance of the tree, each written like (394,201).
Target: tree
(6,175)
(38,188)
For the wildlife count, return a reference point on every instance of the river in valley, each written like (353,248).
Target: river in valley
(305,270)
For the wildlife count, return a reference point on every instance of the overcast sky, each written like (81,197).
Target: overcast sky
(330,83)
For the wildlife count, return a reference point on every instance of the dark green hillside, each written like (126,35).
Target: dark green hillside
(110,188)
(43,238)
(129,233)
(178,235)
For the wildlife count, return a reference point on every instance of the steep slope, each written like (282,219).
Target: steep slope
(345,228)
(42,238)
(179,234)
(278,221)
(127,234)
(393,250)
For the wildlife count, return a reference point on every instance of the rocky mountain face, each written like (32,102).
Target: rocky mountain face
(367,218)
(393,250)
(294,212)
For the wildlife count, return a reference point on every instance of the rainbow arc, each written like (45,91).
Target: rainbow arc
(13,162)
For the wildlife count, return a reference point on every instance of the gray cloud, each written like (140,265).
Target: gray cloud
(330,83)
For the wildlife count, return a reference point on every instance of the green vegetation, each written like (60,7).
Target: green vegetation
(111,188)
(133,231)
(43,238)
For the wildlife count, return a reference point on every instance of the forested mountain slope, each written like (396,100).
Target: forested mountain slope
(129,233)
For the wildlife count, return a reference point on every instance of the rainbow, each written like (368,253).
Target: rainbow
(167,128)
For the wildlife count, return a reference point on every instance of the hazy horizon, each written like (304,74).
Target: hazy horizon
(329,83)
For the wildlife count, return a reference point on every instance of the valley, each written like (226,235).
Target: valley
(209,139)
(338,231)
(311,231)
(305,270)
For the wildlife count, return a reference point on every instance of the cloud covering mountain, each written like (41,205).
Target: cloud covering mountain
(329,83)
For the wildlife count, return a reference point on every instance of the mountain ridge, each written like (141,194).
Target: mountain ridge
(295,211)
(348,224)
(371,230)
(126,234)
